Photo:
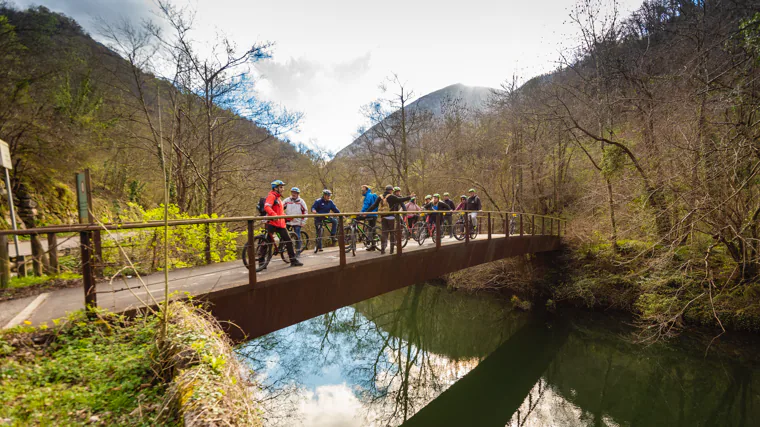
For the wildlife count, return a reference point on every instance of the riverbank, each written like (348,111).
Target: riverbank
(116,371)
(666,289)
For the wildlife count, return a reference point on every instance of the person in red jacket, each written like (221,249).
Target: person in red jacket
(273,207)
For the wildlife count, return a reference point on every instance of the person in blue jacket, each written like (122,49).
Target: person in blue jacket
(369,206)
(325,205)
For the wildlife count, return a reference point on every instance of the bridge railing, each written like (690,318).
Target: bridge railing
(91,263)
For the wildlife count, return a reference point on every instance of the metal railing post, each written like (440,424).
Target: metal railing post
(341,242)
(52,239)
(532,224)
(551,226)
(438,231)
(542,224)
(467,227)
(506,225)
(398,234)
(559,228)
(88,278)
(251,257)
(521,225)
(489,225)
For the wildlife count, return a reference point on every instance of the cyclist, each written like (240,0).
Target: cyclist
(512,223)
(324,205)
(435,205)
(273,207)
(294,205)
(447,217)
(462,204)
(397,193)
(412,217)
(388,202)
(473,204)
(369,199)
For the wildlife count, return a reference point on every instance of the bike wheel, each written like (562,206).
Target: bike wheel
(349,234)
(405,234)
(376,232)
(473,232)
(459,231)
(262,252)
(418,233)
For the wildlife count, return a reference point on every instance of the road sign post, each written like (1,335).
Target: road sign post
(5,159)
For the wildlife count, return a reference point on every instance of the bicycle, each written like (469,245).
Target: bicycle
(301,244)
(265,247)
(459,228)
(422,230)
(359,231)
(320,225)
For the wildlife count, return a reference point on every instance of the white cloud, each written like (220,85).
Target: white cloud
(330,55)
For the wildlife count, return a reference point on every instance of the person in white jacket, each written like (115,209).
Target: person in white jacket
(294,205)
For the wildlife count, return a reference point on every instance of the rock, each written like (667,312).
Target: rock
(94,419)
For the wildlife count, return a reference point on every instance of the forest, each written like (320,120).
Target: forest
(646,138)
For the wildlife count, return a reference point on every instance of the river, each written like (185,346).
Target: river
(428,356)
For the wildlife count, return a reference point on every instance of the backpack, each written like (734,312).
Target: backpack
(384,207)
(260,206)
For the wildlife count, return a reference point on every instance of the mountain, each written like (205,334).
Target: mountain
(471,97)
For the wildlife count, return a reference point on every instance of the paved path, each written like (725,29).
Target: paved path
(195,281)
(68,242)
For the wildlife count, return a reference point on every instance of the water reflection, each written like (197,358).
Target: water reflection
(426,356)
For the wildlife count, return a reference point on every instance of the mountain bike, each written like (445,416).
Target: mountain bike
(459,228)
(359,231)
(422,230)
(319,226)
(265,247)
(301,244)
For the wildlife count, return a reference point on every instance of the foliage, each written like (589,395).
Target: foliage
(186,242)
(82,373)
(23,282)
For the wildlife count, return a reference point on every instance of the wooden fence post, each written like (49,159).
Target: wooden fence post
(5,263)
(90,295)
(39,261)
(52,239)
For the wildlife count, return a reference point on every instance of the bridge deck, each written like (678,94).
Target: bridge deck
(285,295)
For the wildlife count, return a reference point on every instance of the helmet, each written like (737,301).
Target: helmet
(437,195)
(296,189)
(396,188)
(471,190)
(388,188)
(276,183)
(412,199)
(446,194)
(428,197)
(463,196)
(327,192)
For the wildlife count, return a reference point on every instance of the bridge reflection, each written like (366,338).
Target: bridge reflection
(427,356)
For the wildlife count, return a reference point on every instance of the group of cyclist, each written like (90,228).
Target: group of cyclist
(373,205)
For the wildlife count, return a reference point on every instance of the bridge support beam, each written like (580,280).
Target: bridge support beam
(279,302)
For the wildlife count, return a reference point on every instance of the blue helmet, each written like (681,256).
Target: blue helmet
(296,189)
(277,183)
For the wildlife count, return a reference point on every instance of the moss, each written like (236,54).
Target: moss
(81,372)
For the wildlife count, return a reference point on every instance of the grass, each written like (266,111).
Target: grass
(85,372)
(25,282)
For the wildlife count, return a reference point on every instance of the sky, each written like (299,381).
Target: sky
(330,56)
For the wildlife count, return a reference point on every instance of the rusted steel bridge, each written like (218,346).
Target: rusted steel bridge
(259,303)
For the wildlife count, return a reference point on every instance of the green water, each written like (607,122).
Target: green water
(426,356)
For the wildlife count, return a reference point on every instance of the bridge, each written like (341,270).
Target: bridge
(280,296)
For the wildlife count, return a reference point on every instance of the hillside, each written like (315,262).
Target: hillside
(68,102)
(473,98)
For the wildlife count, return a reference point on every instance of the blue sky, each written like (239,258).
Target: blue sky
(330,56)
